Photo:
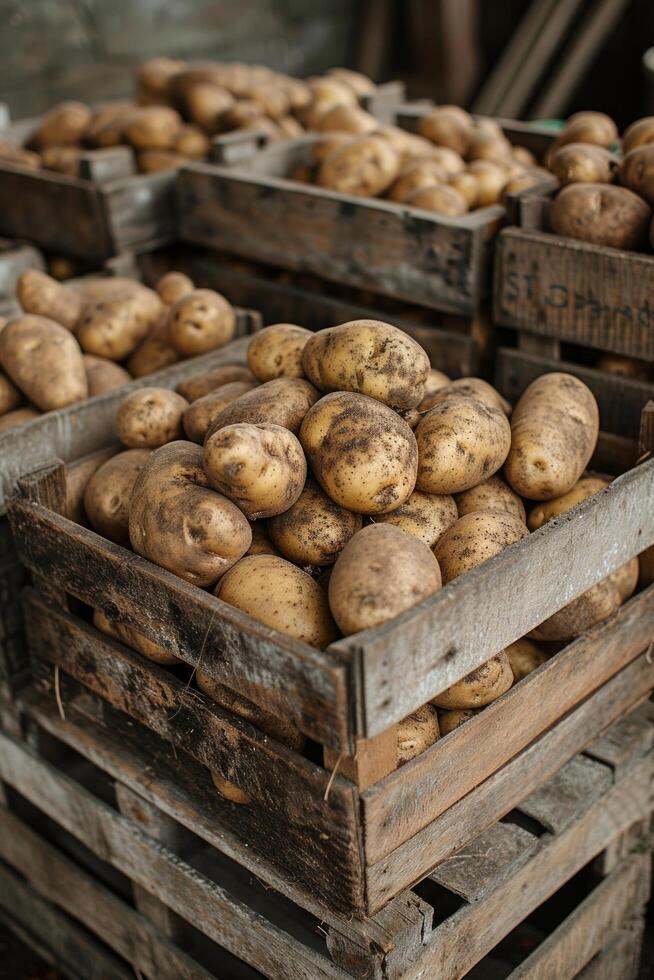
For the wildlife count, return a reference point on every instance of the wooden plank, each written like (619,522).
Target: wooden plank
(557,804)
(411,798)
(117,841)
(594,923)
(625,741)
(620,958)
(81,429)
(140,211)
(58,880)
(372,244)
(501,792)
(286,791)
(465,937)
(586,294)
(646,434)
(373,759)
(620,400)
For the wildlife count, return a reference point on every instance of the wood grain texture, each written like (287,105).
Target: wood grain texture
(587,294)
(620,958)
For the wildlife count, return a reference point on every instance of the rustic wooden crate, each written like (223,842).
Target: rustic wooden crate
(15,258)
(578,843)
(380,829)
(559,294)
(250,208)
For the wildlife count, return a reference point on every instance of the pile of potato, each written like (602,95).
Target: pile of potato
(337,481)
(178,108)
(607,183)
(79,340)
(452,165)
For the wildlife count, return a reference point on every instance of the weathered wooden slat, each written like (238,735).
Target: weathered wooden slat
(140,211)
(118,841)
(625,741)
(302,829)
(408,800)
(621,958)
(620,400)
(57,879)
(404,253)
(587,294)
(567,793)
(449,634)
(502,791)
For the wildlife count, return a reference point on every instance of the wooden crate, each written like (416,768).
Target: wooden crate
(557,888)
(568,300)
(15,258)
(243,203)
(378,829)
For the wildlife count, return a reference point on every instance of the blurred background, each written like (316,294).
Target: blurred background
(520,58)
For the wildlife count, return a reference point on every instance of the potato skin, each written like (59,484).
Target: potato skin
(492,494)
(476,388)
(284,401)
(461,441)
(416,733)
(640,133)
(44,361)
(524,656)
(41,294)
(261,543)
(591,607)
(381,572)
(260,467)
(173,287)
(103,375)
(554,430)
(199,415)
(584,163)
(153,354)
(475,538)
(361,452)
(64,124)
(625,578)
(645,561)
(116,317)
(416,176)
(314,530)
(480,687)
(281,729)
(201,384)
(439,198)
(426,516)
(10,396)
(276,352)
(449,720)
(583,488)
(134,639)
(281,596)
(364,166)
(108,492)
(601,214)
(369,357)
(178,523)
(637,172)
(153,127)
(19,416)
(200,321)
(150,417)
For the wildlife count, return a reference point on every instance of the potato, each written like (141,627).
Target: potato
(281,596)
(314,530)
(41,294)
(66,123)
(467,185)
(326,144)
(18,156)
(133,638)
(523,181)
(366,167)
(103,375)
(276,351)
(417,176)
(152,161)
(524,657)
(492,494)
(153,354)
(489,146)
(381,572)
(524,157)
(10,396)
(369,357)
(178,523)
(229,791)
(624,367)
(206,106)
(261,543)
(281,729)
(554,430)
(491,179)
(156,74)
(290,127)
(480,687)
(153,127)
(108,493)
(409,147)
(583,488)
(191,142)
(625,578)
(200,414)
(199,322)
(150,417)
(360,84)
(583,163)
(107,126)
(202,383)
(284,401)
(435,380)
(640,133)
(461,441)
(449,720)
(62,159)
(260,467)
(361,452)
(444,127)
(475,388)
(416,733)
(441,199)
(18,416)
(637,172)
(450,161)
(589,127)
(645,559)
(346,119)
(174,286)
(591,607)
(116,318)
(601,214)
(475,538)
(426,516)
(43,359)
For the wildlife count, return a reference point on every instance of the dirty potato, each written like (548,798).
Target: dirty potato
(475,538)
(480,687)
(426,516)
(601,214)
(201,413)
(492,494)
(284,401)
(108,493)
(314,530)
(150,417)
(44,361)
(41,294)
(276,352)
(200,321)
(103,375)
